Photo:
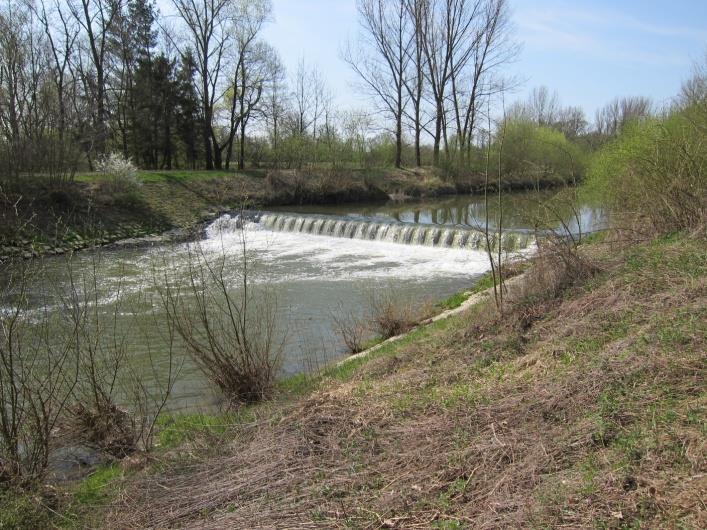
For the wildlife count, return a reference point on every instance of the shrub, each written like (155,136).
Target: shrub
(558,266)
(129,200)
(652,178)
(114,402)
(531,151)
(35,379)
(351,327)
(392,315)
(105,425)
(228,327)
(119,172)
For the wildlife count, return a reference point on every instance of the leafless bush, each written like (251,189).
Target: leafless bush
(112,406)
(152,384)
(228,326)
(37,377)
(63,363)
(393,315)
(351,326)
(559,263)
(558,266)
(100,355)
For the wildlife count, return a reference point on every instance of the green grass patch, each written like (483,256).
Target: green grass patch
(483,283)
(595,237)
(175,430)
(448,524)
(77,508)
(374,341)
(163,176)
(20,509)
(98,487)
(590,471)
(673,253)
(88,497)
(461,393)
(454,301)
(298,384)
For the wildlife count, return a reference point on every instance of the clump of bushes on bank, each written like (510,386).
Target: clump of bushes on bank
(539,155)
(652,177)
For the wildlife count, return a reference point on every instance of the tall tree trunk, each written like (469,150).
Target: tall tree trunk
(217,153)
(438,134)
(206,130)
(399,142)
(101,134)
(241,155)
(208,156)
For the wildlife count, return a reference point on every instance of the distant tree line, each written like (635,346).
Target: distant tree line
(80,79)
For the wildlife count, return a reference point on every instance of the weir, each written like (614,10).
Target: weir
(442,236)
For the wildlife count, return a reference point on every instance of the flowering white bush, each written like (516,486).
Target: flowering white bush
(120,172)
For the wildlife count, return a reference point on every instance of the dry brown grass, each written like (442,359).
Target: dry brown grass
(585,409)
(351,326)
(392,314)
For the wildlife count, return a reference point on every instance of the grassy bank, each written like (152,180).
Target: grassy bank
(41,218)
(581,408)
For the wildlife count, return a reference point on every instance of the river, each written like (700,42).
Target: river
(334,257)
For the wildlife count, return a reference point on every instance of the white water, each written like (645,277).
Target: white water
(339,258)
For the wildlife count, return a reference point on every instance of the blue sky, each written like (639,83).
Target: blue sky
(588,50)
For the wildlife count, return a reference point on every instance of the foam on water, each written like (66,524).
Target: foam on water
(301,255)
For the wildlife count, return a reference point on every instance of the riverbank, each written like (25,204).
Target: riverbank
(39,218)
(583,406)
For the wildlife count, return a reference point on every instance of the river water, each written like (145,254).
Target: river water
(310,268)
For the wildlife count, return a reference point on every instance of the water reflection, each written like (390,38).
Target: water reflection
(521,211)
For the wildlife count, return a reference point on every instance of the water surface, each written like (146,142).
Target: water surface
(310,276)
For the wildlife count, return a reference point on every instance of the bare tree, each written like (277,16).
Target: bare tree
(308,97)
(33,117)
(544,106)
(614,116)
(693,95)
(450,38)
(96,19)
(571,121)
(382,62)
(15,84)
(253,65)
(356,126)
(254,80)
(207,25)
(694,90)
(275,107)
(61,33)
(415,79)
(492,48)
